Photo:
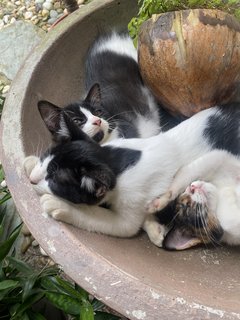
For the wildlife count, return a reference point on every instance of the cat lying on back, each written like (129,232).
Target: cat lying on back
(125,173)
(117,104)
(208,211)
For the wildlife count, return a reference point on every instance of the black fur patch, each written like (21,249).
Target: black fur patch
(121,159)
(83,172)
(78,172)
(223,128)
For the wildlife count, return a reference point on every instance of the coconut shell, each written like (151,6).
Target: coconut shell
(190,59)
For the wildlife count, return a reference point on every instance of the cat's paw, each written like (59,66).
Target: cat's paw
(54,207)
(29,163)
(159,203)
(155,231)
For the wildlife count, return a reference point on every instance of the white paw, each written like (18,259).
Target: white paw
(29,163)
(155,231)
(54,207)
(156,234)
(159,203)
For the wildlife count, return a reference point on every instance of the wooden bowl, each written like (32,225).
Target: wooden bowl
(191,59)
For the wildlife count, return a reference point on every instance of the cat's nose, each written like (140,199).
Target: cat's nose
(97,122)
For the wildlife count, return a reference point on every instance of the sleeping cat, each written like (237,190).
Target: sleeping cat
(117,104)
(209,208)
(120,177)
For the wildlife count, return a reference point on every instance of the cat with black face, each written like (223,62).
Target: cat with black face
(206,210)
(117,103)
(125,173)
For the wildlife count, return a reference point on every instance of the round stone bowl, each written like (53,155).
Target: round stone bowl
(131,276)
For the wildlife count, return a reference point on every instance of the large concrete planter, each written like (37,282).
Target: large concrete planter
(132,276)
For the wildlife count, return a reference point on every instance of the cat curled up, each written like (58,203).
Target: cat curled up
(117,103)
(111,184)
(207,205)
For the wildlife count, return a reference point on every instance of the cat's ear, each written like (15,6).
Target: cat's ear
(180,239)
(50,114)
(94,95)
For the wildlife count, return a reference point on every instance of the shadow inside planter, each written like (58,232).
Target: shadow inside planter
(132,276)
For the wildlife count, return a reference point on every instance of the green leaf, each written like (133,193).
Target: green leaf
(83,292)
(5,198)
(71,290)
(35,315)
(49,271)
(6,284)
(86,312)
(64,302)
(97,305)
(105,316)
(27,305)
(28,285)
(7,244)
(51,284)
(24,317)
(20,266)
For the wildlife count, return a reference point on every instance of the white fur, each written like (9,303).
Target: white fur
(90,129)
(87,183)
(120,44)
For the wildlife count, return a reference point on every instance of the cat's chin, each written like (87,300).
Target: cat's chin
(99,137)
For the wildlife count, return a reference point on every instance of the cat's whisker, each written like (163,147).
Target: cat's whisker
(206,229)
(200,230)
(118,114)
(173,219)
(40,144)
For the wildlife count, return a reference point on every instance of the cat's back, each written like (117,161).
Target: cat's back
(112,57)
(119,43)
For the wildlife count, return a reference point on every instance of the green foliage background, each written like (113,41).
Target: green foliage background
(149,7)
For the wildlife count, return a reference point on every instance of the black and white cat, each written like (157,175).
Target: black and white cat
(118,104)
(206,210)
(125,173)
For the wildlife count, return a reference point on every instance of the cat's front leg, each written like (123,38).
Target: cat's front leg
(155,231)
(91,218)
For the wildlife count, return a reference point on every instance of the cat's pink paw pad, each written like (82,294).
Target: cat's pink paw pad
(153,205)
(159,203)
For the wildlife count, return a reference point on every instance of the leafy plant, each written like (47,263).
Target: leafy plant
(21,287)
(149,7)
